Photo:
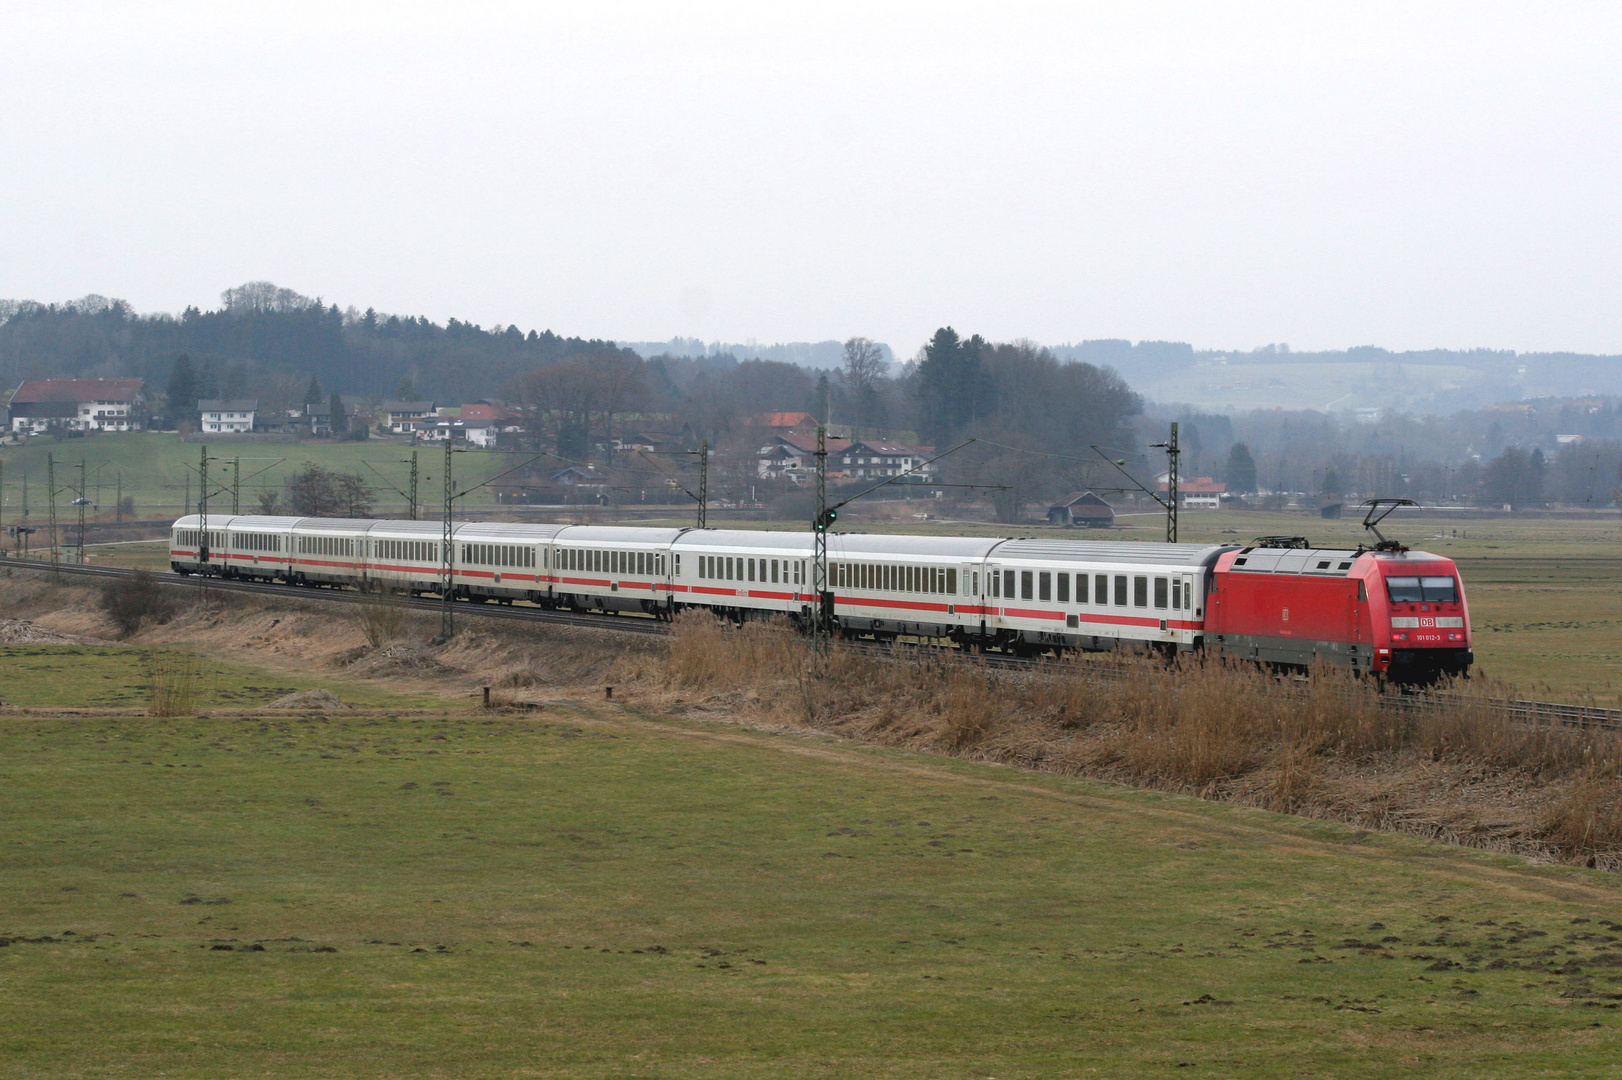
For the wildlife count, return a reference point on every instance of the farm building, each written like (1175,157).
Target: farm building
(78,405)
(1081,509)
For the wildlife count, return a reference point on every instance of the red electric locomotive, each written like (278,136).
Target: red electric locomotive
(1396,613)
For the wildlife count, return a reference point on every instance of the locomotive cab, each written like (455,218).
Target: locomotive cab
(1420,618)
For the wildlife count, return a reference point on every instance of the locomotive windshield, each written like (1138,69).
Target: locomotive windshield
(1429,590)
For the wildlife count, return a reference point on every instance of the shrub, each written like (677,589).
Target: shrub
(380,617)
(130,601)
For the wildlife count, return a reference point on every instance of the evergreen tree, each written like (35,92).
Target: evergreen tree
(182,389)
(312,393)
(340,418)
(1241,471)
(952,385)
(208,383)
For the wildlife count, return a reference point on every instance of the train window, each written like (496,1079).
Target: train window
(1044,586)
(1081,588)
(702,561)
(1120,590)
(975,583)
(774,571)
(995,580)
(1160,592)
(1064,588)
(1140,591)
(1176,594)
(1025,584)
(951,581)
(1404,590)
(1439,590)
(1362,592)
(751,563)
(1008,584)
(729,570)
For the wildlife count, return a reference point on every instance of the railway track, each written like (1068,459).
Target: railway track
(1529,713)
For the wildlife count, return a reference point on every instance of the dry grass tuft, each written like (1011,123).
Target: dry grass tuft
(173,682)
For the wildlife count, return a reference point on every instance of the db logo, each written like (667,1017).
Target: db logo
(1427,622)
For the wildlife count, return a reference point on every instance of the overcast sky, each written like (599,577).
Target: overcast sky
(1406,175)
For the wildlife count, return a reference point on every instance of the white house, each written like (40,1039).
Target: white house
(227,417)
(78,405)
(400,417)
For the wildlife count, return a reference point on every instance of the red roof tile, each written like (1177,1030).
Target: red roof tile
(76,390)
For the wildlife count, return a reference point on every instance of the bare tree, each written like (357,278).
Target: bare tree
(314,491)
(622,387)
(863,368)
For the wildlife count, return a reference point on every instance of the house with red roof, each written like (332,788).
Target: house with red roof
(78,405)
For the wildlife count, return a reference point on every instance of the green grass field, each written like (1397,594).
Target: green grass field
(158,471)
(622,895)
(113,676)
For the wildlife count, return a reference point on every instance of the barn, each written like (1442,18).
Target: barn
(1081,509)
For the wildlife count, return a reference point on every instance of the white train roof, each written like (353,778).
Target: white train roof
(942,547)
(1079,551)
(432,530)
(746,538)
(512,532)
(586,535)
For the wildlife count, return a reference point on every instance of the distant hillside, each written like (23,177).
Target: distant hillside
(1437,381)
(811,354)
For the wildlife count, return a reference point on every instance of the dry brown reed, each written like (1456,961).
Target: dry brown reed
(1327,744)
(173,682)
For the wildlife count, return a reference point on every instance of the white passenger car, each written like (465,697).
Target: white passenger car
(1023,595)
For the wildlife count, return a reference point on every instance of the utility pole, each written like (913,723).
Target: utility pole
(236,485)
(447,622)
(50,491)
(25,496)
(2,499)
(704,484)
(81,502)
(820,619)
(413,499)
(1172,454)
(202,523)
(118,513)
